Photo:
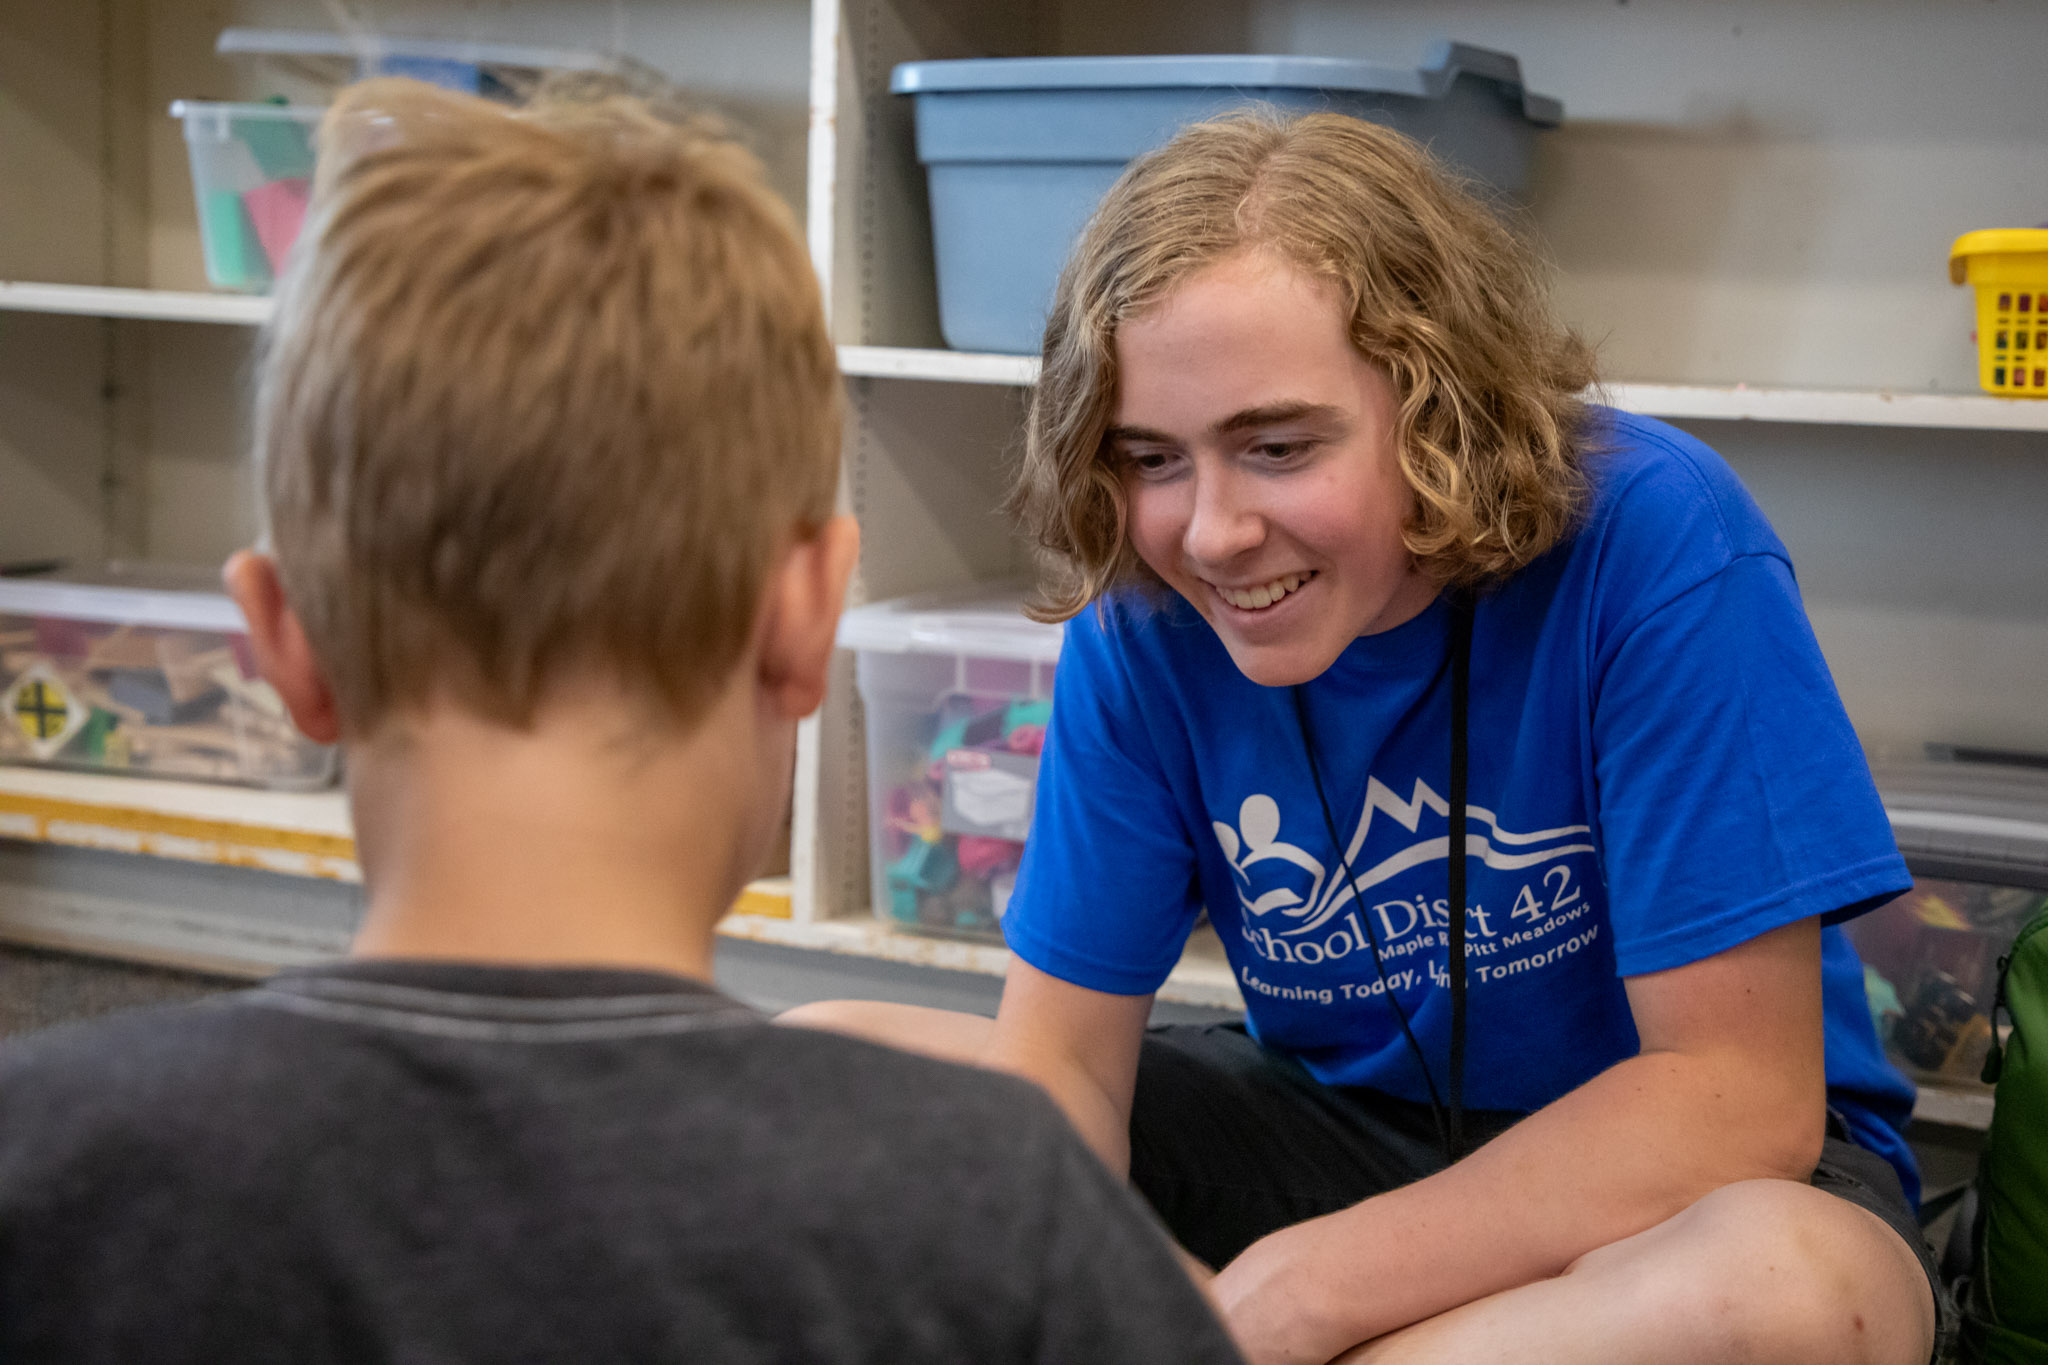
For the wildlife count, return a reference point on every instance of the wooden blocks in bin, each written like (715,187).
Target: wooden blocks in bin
(142,671)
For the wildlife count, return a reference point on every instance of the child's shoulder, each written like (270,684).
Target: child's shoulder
(156,1048)
(280,1059)
(98,1099)
(150,1049)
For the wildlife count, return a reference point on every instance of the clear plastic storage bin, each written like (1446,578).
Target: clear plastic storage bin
(1930,966)
(1975,836)
(958,692)
(143,670)
(252,171)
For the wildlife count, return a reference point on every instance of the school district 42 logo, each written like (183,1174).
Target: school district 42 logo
(1299,910)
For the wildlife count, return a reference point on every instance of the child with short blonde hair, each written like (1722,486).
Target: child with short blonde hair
(548,423)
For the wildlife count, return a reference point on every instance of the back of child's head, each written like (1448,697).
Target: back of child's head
(1438,291)
(545,394)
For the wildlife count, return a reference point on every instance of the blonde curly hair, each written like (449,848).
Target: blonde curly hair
(1441,294)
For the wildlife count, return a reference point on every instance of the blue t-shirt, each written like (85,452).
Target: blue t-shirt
(1660,769)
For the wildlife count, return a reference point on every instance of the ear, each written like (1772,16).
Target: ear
(800,616)
(283,655)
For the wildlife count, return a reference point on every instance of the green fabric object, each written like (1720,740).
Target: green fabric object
(1027,712)
(926,867)
(2006,1310)
(93,737)
(234,256)
(952,735)
(903,902)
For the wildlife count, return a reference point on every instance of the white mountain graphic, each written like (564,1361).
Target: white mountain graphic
(1258,821)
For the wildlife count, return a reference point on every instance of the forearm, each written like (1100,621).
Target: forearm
(1102,1123)
(1624,1152)
(1080,1046)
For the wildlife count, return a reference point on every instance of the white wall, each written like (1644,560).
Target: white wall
(1744,190)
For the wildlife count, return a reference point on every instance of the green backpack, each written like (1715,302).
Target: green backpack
(2005,1308)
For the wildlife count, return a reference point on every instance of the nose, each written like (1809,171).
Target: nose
(1224,521)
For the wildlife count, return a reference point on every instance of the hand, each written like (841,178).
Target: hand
(1275,1296)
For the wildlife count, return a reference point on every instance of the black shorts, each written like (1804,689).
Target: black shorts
(1230,1142)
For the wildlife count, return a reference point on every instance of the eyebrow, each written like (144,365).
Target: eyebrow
(1273,414)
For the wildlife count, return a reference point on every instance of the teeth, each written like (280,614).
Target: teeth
(1265,595)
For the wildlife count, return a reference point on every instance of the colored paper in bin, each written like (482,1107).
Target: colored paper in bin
(277,210)
(283,147)
(986,858)
(1035,712)
(58,637)
(234,256)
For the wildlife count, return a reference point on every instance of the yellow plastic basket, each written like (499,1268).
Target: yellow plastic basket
(2009,267)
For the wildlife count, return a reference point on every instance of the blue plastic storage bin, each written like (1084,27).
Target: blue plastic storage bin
(1018,151)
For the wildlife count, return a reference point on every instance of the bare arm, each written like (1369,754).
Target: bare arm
(1728,1086)
(1081,1046)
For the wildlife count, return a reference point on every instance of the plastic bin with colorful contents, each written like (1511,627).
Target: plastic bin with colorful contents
(252,168)
(2008,269)
(1975,836)
(1930,967)
(957,690)
(146,670)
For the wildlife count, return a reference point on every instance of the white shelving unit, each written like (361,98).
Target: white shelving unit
(309,835)
(121,429)
(1749,206)
(302,834)
(1749,221)
(1727,402)
(1752,228)
(1713,402)
(151,305)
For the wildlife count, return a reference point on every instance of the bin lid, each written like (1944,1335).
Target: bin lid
(1445,62)
(986,621)
(297,113)
(289,42)
(177,597)
(1983,822)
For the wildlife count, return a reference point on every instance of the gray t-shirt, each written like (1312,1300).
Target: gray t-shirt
(413,1161)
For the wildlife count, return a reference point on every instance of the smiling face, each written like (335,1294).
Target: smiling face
(1256,449)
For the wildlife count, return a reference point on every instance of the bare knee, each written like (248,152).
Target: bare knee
(946,1034)
(1773,1270)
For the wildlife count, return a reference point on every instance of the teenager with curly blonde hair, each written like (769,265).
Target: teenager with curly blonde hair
(1432,285)
(1371,614)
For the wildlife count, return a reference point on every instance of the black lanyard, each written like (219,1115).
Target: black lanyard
(1461,720)
(1450,1116)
